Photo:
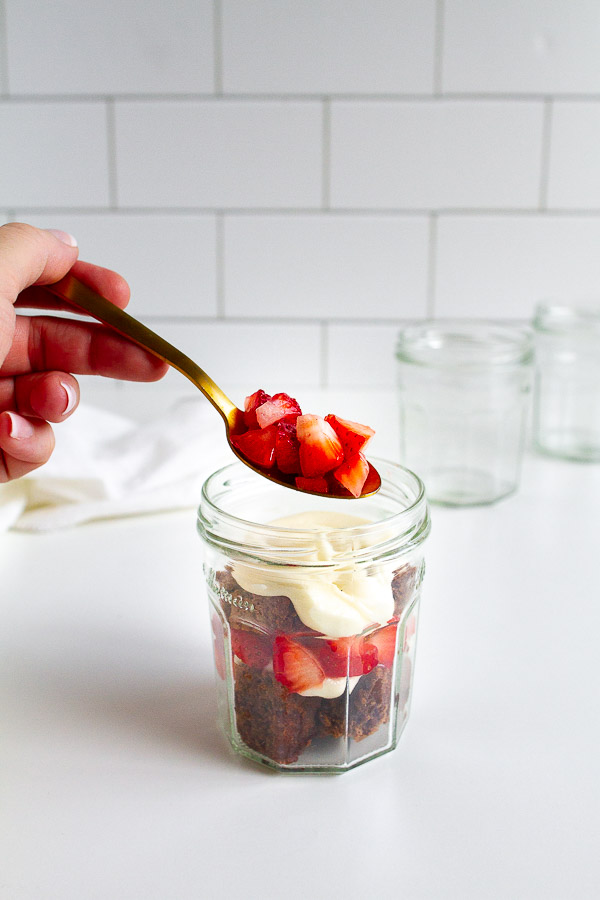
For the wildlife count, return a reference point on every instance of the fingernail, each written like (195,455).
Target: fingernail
(71,397)
(20,428)
(64,236)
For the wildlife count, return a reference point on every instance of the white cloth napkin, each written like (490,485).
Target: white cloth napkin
(106,466)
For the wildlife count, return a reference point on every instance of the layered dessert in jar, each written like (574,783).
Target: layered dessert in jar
(314,657)
(314,606)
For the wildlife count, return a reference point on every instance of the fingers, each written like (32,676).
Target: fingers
(45,395)
(85,348)
(104,281)
(25,444)
(52,396)
(29,255)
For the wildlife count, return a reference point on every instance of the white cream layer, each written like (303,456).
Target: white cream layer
(337,601)
(332,687)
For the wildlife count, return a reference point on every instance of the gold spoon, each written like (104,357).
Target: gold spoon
(78,294)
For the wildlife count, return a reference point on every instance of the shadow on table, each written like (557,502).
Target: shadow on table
(141,711)
(181,714)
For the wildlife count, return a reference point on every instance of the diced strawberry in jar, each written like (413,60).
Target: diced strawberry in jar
(347,656)
(295,666)
(252,647)
(384,639)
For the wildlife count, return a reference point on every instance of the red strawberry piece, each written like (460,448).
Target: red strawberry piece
(409,630)
(257,445)
(287,449)
(318,485)
(218,645)
(340,657)
(320,448)
(251,403)
(295,666)
(353,473)
(276,408)
(384,639)
(252,647)
(293,406)
(353,436)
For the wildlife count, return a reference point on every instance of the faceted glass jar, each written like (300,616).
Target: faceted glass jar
(566,421)
(464,391)
(314,609)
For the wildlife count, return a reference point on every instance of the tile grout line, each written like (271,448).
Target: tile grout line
(438,58)
(218,48)
(359,322)
(324,353)
(545,156)
(390,96)
(4,83)
(326,155)
(111,154)
(431,266)
(337,212)
(220,264)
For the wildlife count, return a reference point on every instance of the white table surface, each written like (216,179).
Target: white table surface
(116,783)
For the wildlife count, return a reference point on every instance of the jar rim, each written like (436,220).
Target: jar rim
(408,526)
(465,343)
(555,316)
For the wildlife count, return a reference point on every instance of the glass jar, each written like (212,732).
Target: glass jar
(566,421)
(314,605)
(464,387)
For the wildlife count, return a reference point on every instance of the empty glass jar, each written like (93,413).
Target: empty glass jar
(566,420)
(464,387)
(314,605)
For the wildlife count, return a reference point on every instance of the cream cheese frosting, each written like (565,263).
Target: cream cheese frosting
(336,600)
(331,688)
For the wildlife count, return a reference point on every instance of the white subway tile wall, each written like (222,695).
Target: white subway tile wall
(53,154)
(361,355)
(169,260)
(328,46)
(436,154)
(110,47)
(284,183)
(495,265)
(234,352)
(218,153)
(521,46)
(325,266)
(574,182)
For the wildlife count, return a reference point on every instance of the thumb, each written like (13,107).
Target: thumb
(30,256)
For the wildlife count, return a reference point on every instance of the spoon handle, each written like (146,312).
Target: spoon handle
(78,294)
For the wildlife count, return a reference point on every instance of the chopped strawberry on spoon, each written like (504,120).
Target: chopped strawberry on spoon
(306,451)
(320,448)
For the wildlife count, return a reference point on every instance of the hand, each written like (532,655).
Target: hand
(39,353)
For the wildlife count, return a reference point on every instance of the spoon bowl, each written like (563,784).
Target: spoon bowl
(84,298)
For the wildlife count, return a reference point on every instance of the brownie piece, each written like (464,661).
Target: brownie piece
(246,610)
(403,585)
(269,718)
(369,707)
